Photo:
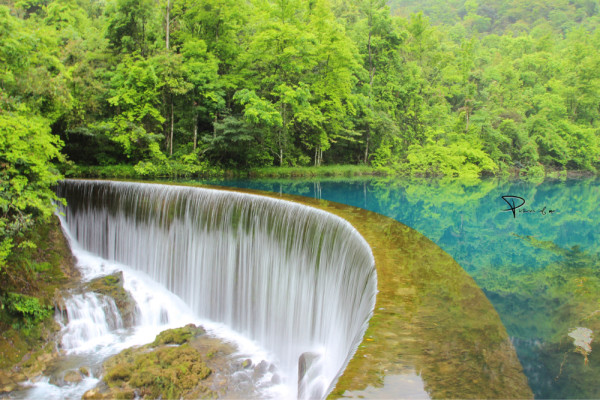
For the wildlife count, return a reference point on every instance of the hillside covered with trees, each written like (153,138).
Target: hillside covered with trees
(165,87)
(462,88)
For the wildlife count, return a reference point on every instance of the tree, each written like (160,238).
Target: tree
(32,96)
(135,97)
(132,26)
(27,150)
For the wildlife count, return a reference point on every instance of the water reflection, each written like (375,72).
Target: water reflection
(411,387)
(540,271)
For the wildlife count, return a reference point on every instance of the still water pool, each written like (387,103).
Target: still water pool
(539,266)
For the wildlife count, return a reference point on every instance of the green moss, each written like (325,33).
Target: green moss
(27,286)
(112,286)
(179,335)
(169,371)
(160,370)
(117,374)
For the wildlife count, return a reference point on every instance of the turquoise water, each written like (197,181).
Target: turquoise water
(539,267)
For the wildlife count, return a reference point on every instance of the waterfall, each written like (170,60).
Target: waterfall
(90,319)
(299,281)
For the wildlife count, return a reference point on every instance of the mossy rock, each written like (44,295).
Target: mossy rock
(37,273)
(72,377)
(180,363)
(112,286)
(178,335)
(169,371)
(169,367)
(117,374)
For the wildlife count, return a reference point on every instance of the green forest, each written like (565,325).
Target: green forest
(152,88)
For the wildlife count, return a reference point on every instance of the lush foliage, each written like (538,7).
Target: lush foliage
(465,88)
(28,107)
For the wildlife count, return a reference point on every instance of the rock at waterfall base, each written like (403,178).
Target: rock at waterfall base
(112,286)
(180,363)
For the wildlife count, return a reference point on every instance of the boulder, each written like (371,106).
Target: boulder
(112,286)
(173,366)
(72,377)
(306,370)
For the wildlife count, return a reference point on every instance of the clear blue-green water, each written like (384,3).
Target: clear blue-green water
(539,269)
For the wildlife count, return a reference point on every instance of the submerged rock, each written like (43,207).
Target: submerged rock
(112,286)
(582,339)
(72,377)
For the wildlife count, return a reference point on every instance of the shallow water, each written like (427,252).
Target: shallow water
(540,269)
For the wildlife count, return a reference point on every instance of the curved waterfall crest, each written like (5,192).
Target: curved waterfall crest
(295,279)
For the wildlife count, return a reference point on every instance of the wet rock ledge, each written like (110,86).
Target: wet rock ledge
(112,286)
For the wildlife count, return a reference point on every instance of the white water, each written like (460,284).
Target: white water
(91,318)
(93,329)
(291,278)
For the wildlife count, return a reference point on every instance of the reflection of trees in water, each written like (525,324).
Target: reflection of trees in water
(541,307)
(466,218)
(541,272)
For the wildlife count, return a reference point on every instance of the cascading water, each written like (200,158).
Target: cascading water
(299,281)
(94,330)
(90,318)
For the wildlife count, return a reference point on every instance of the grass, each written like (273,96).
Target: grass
(124,171)
(327,170)
(127,171)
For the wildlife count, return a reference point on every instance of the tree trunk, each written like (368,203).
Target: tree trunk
(168,23)
(215,125)
(371,67)
(195,132)
(280,155)
(371,76)
(143,44)
(171,141)
(366,159)
(318,156)
(282,134)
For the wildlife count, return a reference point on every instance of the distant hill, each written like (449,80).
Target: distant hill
(500,16)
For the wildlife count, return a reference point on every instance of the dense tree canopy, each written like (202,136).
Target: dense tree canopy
(430,87)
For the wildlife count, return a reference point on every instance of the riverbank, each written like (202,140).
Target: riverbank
(124,171)
(181,171)
(30,282)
